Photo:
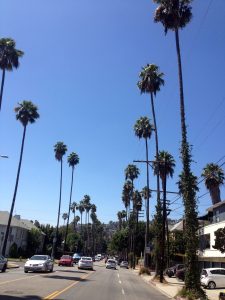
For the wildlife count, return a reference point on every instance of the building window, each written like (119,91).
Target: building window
(204,241)
(217,216)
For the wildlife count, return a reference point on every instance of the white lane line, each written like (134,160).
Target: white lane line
(120,281)
(118,275)
(123,292)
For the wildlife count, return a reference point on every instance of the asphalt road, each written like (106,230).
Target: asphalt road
(68,283)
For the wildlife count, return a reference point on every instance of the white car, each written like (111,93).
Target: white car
(110,264)
(213,278)
(39,263)
(3,263)
(85,263)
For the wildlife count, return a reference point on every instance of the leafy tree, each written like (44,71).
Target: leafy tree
(73,160)
(175,15)
(60,150)
(9,59)
(214,177)
(13,250)
(220,240)
(33,241)
(26,112)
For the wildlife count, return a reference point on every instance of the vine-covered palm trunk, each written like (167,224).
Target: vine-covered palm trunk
(158,250)
(14,195)
(192,278)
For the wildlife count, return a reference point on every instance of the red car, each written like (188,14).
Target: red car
(66,260)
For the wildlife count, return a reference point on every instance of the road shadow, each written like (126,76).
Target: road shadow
(72,278)
(28,297)
(70,271)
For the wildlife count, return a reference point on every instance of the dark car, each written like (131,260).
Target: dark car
(170,272)
(3,263)
(76,258)
(180,274)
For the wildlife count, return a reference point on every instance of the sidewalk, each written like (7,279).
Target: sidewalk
(173,286)
(12,265)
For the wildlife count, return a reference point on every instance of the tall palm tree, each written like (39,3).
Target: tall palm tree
(143,129)
(76,220)
(60,150)
(126,196)
(26,112)
(81,210)
(73,160)
(214,177)
(73,208)
(164,166)
(151,80)
(175,15)
(119,216)
(131,173)
(9,59)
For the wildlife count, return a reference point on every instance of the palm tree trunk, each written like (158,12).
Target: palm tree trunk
(147,210)
(57,227)
(159,255)
(81,222)
(164,223)
(2,87)
(15,192)
(67,224)
(215,194)
(74,222)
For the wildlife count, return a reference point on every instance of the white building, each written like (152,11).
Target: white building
(18,231)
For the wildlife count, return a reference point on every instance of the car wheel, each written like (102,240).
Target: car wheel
(51,270)
(25,271)
(4,268)
(211,285)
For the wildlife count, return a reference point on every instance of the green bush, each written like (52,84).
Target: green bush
(144,270)
(13,251)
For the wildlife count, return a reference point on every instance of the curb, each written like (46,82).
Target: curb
(12,266)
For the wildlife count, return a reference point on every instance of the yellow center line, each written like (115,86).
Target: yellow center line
(56,293)
(9,281)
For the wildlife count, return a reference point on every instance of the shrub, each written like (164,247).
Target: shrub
(144,270)
(13,251)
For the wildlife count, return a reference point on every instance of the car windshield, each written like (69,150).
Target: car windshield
(111,261)
(65,257)
(86,258)
(39,257)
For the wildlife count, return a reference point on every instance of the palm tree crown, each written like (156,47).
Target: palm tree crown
(173,14)
(73,159)
(143,128)
(9,55)
(214,177)
(26,112)
(131,172)
(165,165)
(150,79)
(60,149)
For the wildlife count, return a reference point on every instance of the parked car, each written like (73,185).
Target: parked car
(66,260)
(39,263)
(76,258)
(124,264)
(180,274)
(3,263)
(111,264)
(172,270)
(97,258)
(213,278)
(85,263)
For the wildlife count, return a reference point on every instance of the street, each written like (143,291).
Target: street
(71,283)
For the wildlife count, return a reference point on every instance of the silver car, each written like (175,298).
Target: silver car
(85,263)
(3,263)
(110,264)
(213,278)
(37,263)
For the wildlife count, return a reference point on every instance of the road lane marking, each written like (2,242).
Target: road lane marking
(57,293)
(9,281)
(51,295)
(118,275)
(123,292)
(120,281)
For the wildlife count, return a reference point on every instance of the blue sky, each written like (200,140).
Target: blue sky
(80,67)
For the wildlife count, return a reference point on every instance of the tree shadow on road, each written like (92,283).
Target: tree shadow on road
(28,297)
(72,278)
(70,271)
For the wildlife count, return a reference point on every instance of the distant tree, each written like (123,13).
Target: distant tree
(126,196)
(214,178)
(33,242)
(26,112)
(73,208)
(81,210)
(65,217)
(9,59)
